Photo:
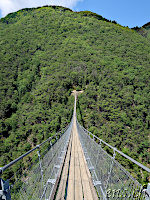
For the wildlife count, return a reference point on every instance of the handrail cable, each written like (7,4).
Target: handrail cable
(116,150)
(2,169)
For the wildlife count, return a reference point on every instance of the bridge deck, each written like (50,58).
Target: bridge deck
(79,185)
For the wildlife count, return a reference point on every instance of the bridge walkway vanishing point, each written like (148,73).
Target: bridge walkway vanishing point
(76,172)
(76,182)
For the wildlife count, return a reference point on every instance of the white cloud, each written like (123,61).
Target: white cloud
(8,6)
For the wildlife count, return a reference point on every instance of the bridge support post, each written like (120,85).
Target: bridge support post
(98,154)
(109,174)
(39,156)
(53,160)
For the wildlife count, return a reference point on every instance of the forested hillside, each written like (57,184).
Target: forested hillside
(47,52)
(144,30)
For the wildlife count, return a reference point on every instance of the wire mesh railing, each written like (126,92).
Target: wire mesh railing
(111,179)
(38,170)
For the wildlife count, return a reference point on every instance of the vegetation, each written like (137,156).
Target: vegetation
(48,51)
(144,30)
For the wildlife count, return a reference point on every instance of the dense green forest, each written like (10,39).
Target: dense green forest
(47,52)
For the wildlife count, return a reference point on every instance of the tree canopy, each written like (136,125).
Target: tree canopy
(45,53)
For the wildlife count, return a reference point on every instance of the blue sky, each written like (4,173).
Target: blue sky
(126,12)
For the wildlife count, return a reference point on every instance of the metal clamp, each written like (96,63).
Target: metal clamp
(5,189)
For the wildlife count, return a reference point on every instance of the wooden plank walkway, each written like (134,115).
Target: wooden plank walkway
(76,172)
(63,182)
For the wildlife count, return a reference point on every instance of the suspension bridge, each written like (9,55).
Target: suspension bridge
(72,165)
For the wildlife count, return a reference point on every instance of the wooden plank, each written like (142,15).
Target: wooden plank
(70,190)
(88,188)
(80,184)
(64,176)
(59,175)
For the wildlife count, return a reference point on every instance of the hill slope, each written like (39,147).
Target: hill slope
(48,51)
(144,30)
